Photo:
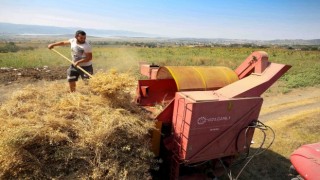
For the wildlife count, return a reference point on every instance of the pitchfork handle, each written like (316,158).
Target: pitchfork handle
(73,63)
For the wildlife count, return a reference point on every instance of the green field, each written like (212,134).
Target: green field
(304,72)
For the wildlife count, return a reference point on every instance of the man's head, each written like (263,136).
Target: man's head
(80,36)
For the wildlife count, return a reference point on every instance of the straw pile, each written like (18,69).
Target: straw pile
(46,132)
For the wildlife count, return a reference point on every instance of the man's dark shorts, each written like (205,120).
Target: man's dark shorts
(73,73)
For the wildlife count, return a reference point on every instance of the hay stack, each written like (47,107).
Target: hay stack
(96,132)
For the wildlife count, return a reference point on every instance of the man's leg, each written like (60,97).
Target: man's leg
(84,76)
(73,76)
(72,85)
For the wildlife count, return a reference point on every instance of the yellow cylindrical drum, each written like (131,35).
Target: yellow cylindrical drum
(198,77)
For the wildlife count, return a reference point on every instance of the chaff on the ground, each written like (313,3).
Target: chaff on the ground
(96,132)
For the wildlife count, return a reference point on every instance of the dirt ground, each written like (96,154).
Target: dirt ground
(295,102)
(274,106)
(28,75)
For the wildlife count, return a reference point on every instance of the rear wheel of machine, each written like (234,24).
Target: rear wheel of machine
(293,171)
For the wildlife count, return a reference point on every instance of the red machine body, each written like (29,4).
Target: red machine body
(207,108)
(207,126)
(306,161)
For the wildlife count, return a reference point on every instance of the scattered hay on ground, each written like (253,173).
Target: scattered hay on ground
(46,132)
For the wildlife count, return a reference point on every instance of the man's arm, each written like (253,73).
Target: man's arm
(87,59)
(61,43)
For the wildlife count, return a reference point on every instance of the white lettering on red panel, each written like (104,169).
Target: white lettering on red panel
(203,120)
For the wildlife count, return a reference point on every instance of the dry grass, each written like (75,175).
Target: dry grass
(296,130)
(96,132)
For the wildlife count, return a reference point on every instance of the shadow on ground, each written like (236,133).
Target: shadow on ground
(267,166)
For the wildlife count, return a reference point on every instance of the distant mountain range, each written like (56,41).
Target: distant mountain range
(8,29)
(257,42)
(21,29)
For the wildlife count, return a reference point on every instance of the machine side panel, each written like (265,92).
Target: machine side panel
(210,129)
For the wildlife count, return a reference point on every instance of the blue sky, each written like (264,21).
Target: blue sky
(269,19)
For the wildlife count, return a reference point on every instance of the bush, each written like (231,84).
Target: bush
(9,47)
(12,47)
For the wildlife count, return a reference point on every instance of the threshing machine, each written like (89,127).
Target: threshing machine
(209,110)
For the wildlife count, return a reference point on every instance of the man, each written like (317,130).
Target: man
(81,55)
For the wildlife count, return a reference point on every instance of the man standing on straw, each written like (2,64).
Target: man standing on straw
(81,55)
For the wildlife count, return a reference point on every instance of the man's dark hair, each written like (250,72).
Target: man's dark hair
(80,32)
